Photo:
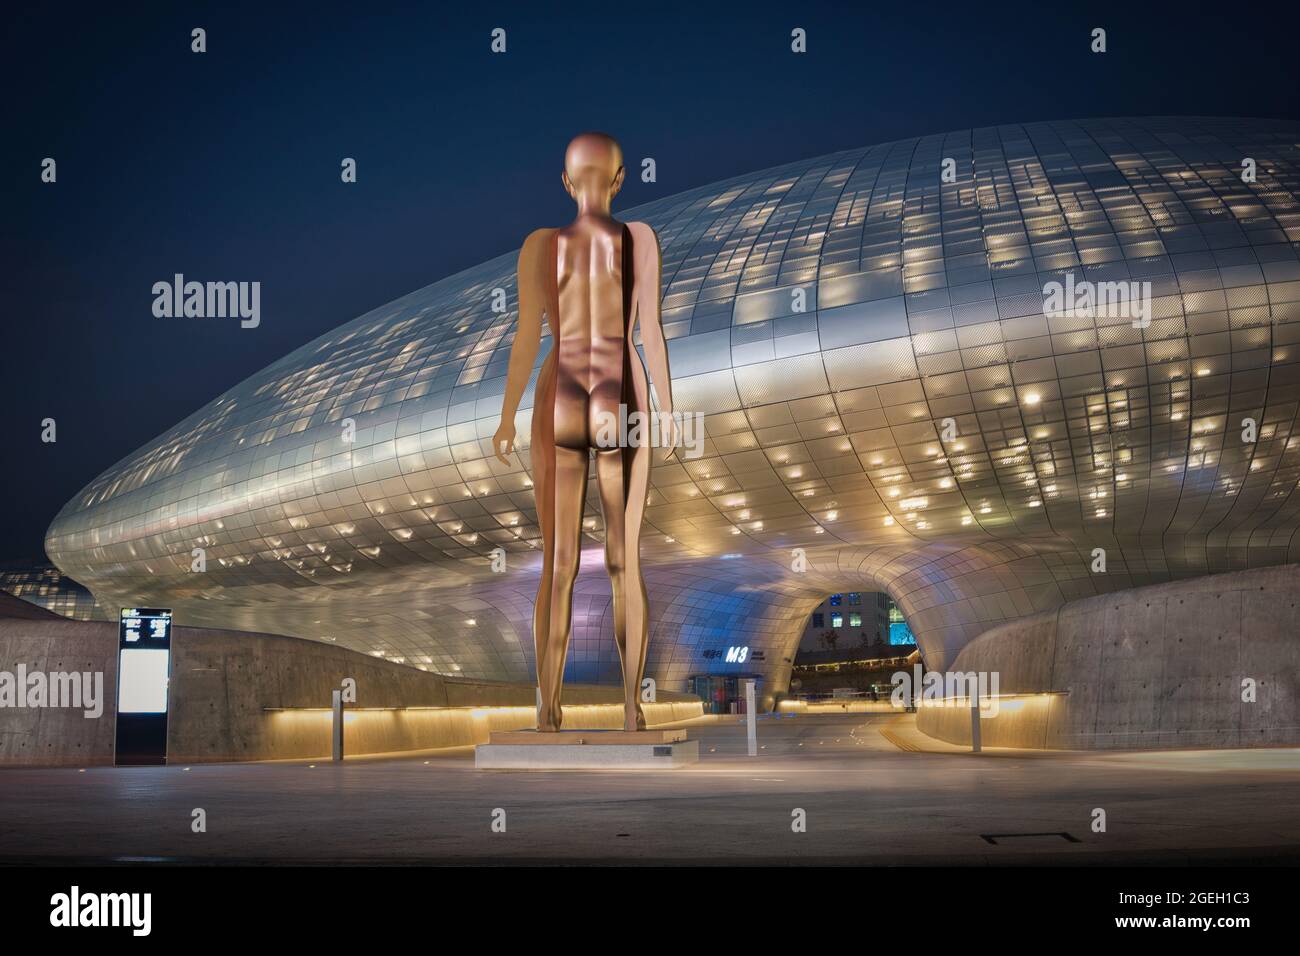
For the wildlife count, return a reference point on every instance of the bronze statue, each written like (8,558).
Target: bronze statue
(594,280)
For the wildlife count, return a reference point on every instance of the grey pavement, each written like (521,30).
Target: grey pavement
(866,801)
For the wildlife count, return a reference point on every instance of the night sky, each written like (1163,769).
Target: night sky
(225,165)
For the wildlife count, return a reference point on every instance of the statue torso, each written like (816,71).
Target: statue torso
(591,325)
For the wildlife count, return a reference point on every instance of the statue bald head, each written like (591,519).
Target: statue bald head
(593,167)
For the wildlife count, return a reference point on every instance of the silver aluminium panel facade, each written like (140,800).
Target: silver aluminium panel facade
(824,428)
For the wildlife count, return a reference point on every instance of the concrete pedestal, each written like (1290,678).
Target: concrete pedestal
(587,750)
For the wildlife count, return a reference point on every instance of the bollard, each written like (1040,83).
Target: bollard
(337,734)
(751,719)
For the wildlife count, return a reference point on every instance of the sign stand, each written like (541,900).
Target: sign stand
(751,719)
(337,731)
(144,652)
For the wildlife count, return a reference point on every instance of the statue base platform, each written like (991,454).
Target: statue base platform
(587,750)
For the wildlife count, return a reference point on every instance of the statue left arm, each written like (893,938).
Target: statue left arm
(528,336)
(647,264)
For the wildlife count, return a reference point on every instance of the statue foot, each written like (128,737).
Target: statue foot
(633,718)
(548,722)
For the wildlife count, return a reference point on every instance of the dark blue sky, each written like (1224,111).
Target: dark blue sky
(225,166)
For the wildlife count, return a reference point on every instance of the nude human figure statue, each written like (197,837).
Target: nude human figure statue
(595,280)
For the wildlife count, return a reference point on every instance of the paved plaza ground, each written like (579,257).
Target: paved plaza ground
(867,796)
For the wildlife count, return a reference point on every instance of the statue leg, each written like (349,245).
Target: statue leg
(543,460)
(623,475)
(637,463)
(570,491)
(613,506)
(542,610)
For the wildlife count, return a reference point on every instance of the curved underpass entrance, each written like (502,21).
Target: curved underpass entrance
(852,645)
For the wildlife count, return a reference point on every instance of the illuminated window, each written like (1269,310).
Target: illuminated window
(854,599)
(837,600)
(855,620)
(837,619)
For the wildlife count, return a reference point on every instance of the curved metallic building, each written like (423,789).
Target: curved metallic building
(825,438)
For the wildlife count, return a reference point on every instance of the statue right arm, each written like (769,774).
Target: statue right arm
(531,282)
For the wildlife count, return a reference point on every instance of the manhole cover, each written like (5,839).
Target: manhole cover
(993,838)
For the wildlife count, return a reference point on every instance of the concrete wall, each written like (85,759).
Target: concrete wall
(58,736)
(239,696)
(1022,722)
(1155,667)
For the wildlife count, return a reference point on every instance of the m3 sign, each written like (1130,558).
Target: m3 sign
(736,654)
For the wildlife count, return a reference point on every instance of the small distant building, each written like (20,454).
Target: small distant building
(854,619)
(42,584)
